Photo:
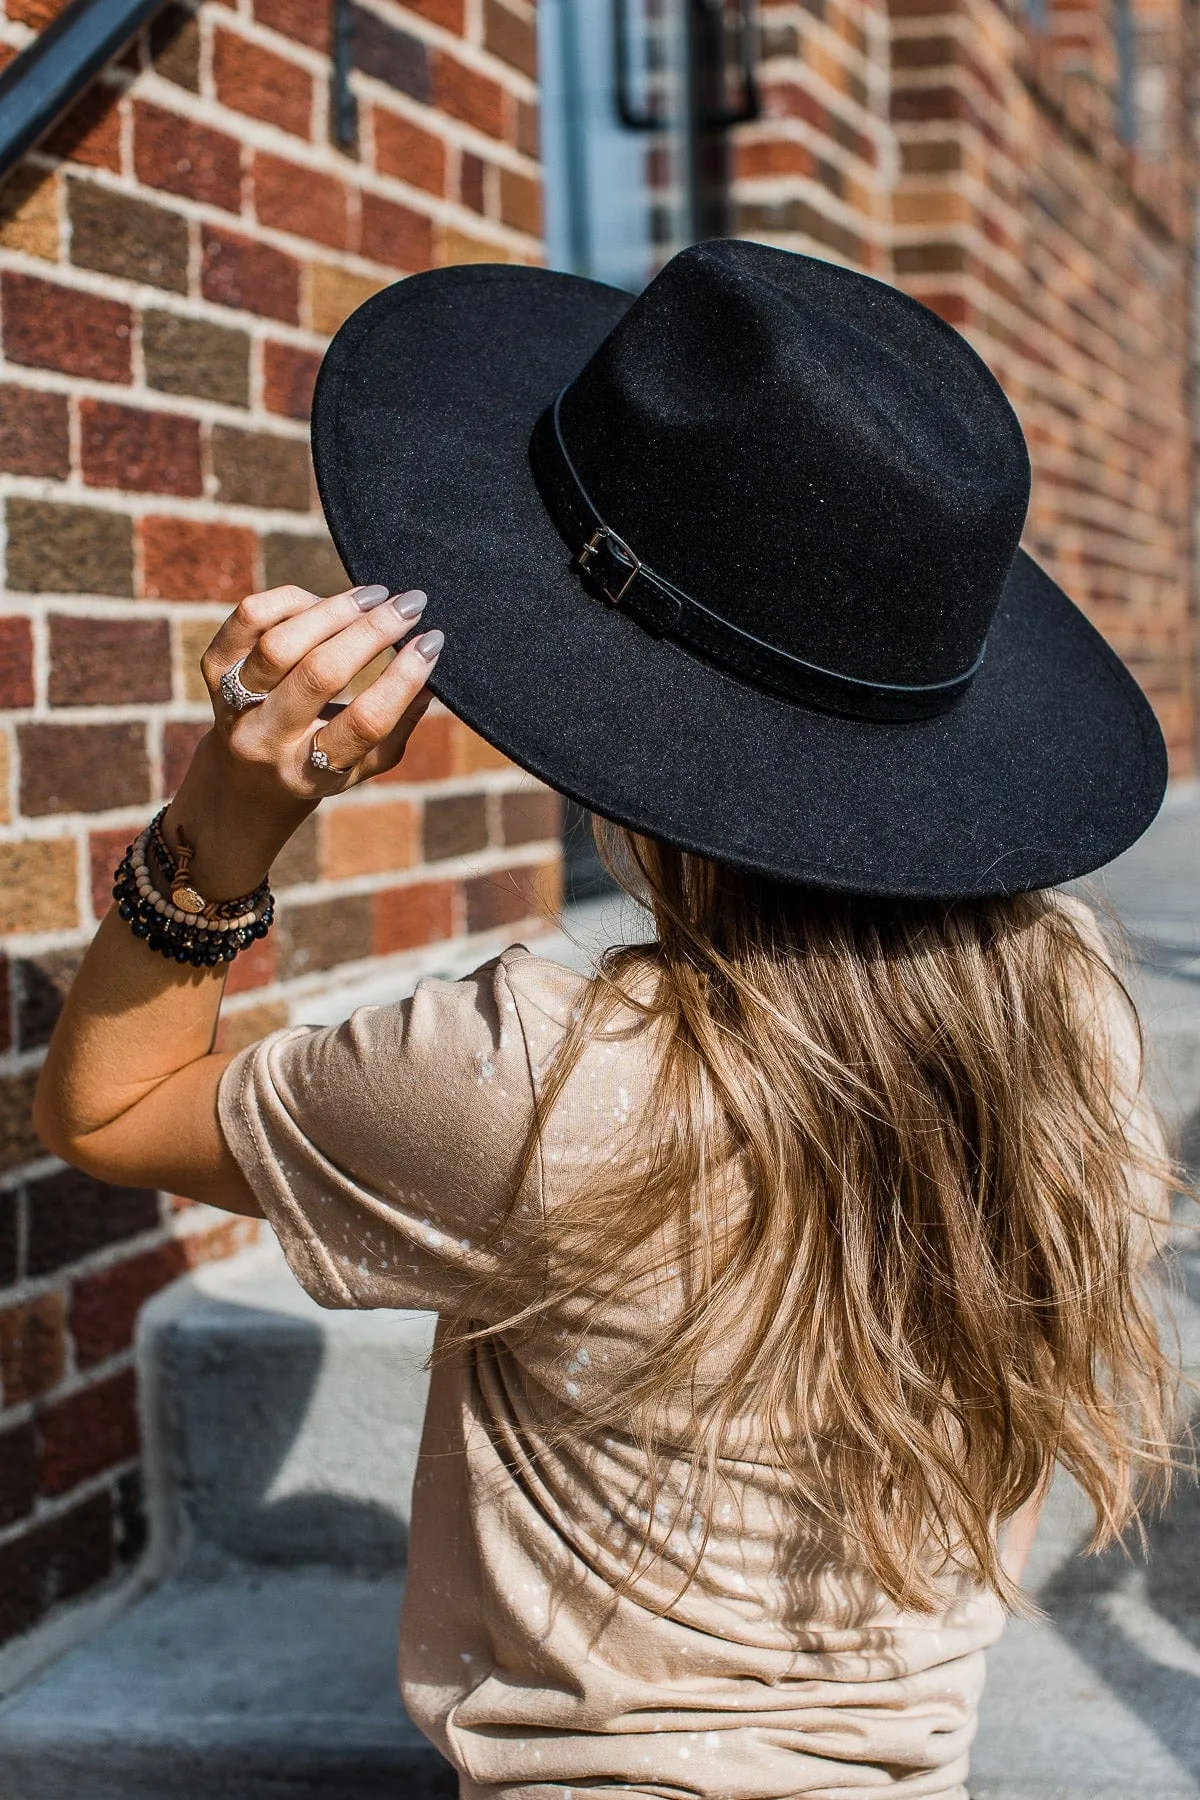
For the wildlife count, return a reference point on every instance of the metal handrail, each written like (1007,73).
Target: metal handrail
(40,84)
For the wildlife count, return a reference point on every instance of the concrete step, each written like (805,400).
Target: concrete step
(262,1685)
(281,1433)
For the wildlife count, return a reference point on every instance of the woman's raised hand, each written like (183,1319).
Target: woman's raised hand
(300,652)
(254,778)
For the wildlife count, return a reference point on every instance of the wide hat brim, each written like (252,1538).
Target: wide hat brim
(1049,766)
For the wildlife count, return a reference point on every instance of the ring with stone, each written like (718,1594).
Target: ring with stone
(234,691)
(321,762)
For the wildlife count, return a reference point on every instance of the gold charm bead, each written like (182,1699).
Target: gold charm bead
(188,900)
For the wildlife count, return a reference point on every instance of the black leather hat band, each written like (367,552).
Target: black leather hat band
(610,567)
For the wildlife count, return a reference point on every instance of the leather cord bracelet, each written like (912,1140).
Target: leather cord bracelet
(203,939)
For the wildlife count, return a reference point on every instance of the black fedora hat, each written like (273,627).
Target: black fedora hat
(736,563)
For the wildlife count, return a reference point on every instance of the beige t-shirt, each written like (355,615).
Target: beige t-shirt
(383,1150)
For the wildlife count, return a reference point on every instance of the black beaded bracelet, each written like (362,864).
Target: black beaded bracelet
(203,941)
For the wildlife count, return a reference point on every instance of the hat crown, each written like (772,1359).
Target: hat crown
(809,453)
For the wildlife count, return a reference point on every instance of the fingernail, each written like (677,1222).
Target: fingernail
(430,644)
(412,604)
(367,597)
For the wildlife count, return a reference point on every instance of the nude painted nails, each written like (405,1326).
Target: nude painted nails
(412,604)
(367,597)
(430,644)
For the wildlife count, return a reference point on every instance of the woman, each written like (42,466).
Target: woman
(780,1265)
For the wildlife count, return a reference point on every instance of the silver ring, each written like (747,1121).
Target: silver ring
(234,691)
(321,762)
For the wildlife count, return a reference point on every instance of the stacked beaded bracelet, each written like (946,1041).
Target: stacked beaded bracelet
(199,932)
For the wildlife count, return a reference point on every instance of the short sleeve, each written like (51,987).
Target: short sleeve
(384,1151)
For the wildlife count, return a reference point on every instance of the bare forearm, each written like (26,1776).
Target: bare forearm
(129,1089)
(132,1020)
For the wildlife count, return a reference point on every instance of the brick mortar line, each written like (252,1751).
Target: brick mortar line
(201,212)
(184,306)
(813,139)
(477,56)
(58,825)
(812,29)
(173,1228)
(47,1508)
(846,107)
(322,156)
(768,188)
(143,397)
(201,508)
(32,1288)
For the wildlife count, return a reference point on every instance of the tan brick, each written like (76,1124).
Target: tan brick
(335,293)
(118,235)
(257,468)
(193,637)
(175,47)
(194,356)
(56,549)
(37,885)
(455,246)
(521,202)
(5,778)
(511,36)
(368,840)
(34,432)
(302,561)
(30,213)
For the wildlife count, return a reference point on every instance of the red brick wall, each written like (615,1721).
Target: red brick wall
(952,148)
(172,262)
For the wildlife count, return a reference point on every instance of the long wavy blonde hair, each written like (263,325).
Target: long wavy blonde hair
(936,1272)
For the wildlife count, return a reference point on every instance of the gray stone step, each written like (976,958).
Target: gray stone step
(262,1685)
(282,1433)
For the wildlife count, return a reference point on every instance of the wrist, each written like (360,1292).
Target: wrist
(235,829)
